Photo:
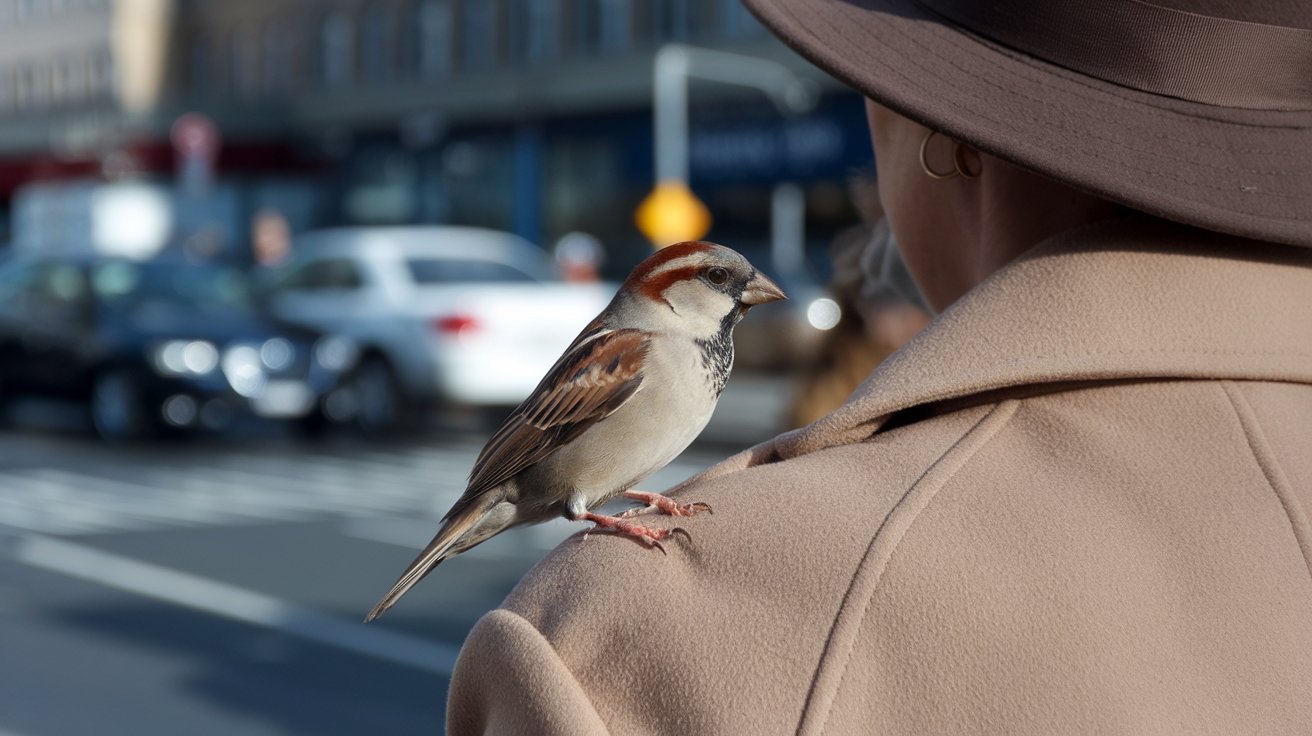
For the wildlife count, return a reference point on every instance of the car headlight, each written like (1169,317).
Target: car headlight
(186,358)
(244,369)
(277,354)
(336,353)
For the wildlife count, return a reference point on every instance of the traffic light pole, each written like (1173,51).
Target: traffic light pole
(675,65)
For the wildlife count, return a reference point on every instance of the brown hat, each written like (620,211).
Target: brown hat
(1199,111)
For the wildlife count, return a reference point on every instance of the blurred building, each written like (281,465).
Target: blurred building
(527,115)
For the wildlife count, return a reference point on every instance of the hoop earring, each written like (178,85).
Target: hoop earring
(959,167)
(924,164)
(960,163)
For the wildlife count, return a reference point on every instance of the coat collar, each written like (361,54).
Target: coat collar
(1131,298)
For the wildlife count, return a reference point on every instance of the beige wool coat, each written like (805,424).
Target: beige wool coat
(1077,503)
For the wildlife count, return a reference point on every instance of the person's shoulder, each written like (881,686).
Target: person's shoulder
(729,611)
(781,535)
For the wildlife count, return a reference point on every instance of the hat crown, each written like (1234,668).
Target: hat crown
(1198,111)
(1283,13)
(1181,49)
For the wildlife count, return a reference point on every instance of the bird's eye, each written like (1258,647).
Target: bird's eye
(717,275)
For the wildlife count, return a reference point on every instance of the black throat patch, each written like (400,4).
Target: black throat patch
(717,353)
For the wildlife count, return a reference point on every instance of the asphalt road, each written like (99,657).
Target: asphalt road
(218,587)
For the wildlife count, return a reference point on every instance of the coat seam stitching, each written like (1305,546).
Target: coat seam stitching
(1259,449)
(953,460)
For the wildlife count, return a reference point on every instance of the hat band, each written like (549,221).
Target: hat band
(1215,61)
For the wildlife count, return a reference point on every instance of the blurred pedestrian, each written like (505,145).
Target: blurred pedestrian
(271,237)
(1078,501)
(580,257)
(880,308)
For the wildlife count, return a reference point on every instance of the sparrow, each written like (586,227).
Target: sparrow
(628,396)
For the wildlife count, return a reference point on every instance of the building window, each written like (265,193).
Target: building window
(433,38)
(61,87)
(89,73)
(602,26)
(376,45)
(29,9)
(245,63)
(41,85)
(201,65)
(534,30)
(279,70)
(336,52)
(735,21)
(671,21)
(23,88)
(479,52)
(100,74)
(75,79)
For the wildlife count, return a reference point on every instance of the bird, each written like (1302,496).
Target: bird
(628,395)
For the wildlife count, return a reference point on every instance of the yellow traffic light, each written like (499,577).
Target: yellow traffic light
(672,214)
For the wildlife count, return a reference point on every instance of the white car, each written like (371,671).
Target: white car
(455,315)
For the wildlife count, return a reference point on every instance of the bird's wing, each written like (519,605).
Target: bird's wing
(595,376)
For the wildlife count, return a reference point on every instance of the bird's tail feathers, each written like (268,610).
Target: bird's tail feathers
(437,550)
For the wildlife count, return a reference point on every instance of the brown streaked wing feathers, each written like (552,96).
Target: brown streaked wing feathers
(590,381)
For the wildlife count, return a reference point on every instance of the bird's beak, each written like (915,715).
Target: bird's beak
(761,290)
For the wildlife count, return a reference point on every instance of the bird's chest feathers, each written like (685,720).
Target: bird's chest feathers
(651,429)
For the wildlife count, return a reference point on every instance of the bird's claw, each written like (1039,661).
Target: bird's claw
(645,535)
(664,504)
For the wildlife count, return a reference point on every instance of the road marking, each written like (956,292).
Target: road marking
(413,534)
(229,601)
(237,487)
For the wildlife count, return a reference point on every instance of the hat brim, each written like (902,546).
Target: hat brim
(1244,172)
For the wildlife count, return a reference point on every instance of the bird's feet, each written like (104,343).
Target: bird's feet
(665,504)
(646,535)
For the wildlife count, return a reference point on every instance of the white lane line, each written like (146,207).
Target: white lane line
(413,534)
(149,501)
(26,511)
(229,601)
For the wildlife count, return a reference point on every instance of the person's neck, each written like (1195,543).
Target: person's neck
(1017,210)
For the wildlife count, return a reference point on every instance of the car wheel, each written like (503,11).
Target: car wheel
(378,404)
(117,413)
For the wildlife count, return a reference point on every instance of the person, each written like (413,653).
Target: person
(880,308)
(271,238)
(1078,501)
(579,256)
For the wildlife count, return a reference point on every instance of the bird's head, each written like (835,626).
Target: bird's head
(698,285)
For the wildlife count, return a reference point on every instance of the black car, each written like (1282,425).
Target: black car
(158,345)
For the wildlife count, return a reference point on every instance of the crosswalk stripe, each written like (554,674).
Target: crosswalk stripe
(96,490)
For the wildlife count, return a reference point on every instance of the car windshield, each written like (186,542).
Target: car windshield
(134,286)
(430,271)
